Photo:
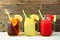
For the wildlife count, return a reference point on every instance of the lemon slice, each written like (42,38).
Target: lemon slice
(54,18)
(13,21)
(34,16)
(18,17)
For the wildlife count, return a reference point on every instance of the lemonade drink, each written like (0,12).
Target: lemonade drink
(29,27)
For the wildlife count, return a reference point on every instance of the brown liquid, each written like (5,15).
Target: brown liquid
(13,30)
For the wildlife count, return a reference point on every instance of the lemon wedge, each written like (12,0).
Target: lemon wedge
(18,17)
(34,16)
(54,18)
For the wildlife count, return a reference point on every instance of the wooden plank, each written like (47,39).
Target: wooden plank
(29,2)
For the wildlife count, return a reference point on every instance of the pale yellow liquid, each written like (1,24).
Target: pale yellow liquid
(29,27)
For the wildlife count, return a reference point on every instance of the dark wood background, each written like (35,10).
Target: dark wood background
(30,7)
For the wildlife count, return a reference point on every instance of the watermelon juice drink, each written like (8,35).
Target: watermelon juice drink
(45,27)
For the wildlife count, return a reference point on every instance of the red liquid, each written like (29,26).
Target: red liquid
(45,27)
(13,30)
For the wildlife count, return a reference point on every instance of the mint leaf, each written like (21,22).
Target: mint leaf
(28,15)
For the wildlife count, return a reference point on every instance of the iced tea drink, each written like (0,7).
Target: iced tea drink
(13,27)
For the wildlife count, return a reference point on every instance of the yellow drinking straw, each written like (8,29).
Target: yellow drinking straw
(41,14)
(24,13)
(7,13)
